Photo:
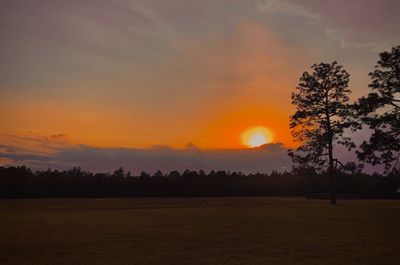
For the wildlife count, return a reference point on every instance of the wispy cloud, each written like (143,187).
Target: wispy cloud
(288,7)
(344,22)
(335,34)
(32,143)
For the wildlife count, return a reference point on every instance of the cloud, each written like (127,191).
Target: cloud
(5,161)
(263,159)
(140,72)
(286,7)
(31,143)
(59,41)
(56,152)
(345,42)
(359,24)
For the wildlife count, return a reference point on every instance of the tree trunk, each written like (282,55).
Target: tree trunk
(331,171)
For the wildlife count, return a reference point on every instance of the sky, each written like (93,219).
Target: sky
(155,84)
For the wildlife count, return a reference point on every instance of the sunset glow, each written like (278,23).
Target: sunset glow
(257,136)
(83,82)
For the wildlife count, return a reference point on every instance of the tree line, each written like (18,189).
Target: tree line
(22,182)
(324,117)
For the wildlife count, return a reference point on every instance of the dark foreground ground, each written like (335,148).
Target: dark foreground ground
(199,231)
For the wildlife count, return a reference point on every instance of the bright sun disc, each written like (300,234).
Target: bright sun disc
(256,136)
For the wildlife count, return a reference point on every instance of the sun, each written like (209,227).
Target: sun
(256,136)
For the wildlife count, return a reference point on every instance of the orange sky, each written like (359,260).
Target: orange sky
(104,127)
(206,92)
(146,73)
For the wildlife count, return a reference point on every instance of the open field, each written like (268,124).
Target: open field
(199,231)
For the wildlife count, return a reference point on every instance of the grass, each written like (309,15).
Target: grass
(199,231)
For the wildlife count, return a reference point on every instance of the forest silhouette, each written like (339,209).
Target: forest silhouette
(22,182)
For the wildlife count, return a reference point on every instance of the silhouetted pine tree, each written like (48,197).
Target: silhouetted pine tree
(321,117)
(380,111)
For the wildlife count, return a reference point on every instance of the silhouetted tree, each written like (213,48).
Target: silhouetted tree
(321,117)
(380,110)
(119,173)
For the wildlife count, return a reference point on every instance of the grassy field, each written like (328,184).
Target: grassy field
(199,231)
